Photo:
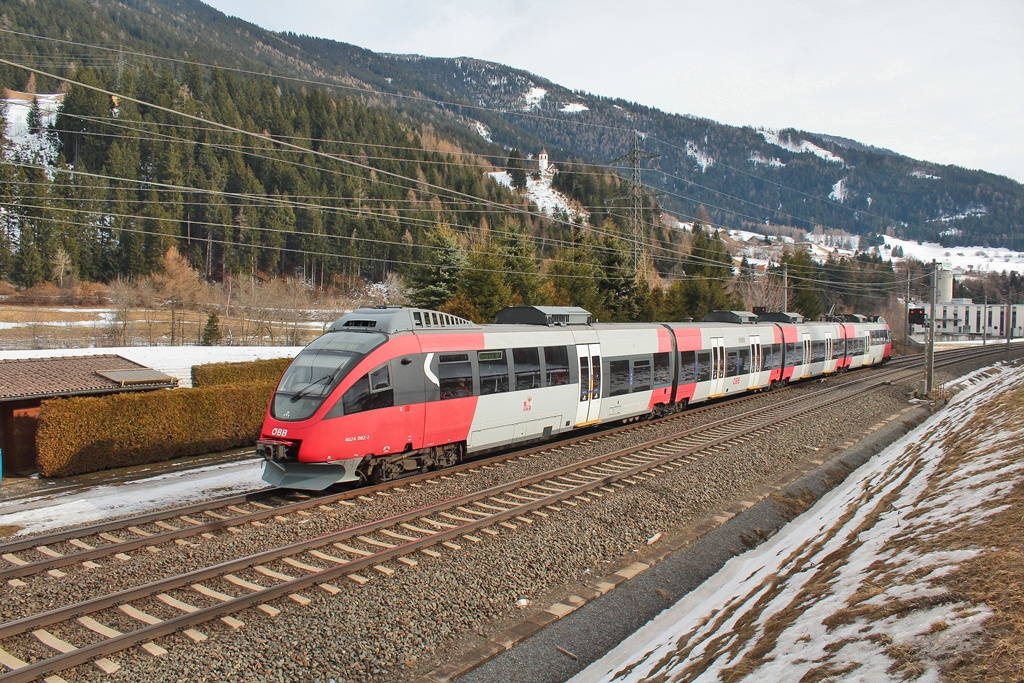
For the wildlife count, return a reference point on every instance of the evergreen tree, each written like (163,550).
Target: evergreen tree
(437,281)
(28,269)
(483,283)
(516,169)
(573,276)
(35,117)
(522,272)
(211,331)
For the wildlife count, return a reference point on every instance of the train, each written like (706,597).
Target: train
(386,391)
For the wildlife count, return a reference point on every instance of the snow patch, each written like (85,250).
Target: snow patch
(483,131)
(758,159)
(964,260)
(967,213)
(928,176)
(800,147)
(574,108)
(533,98)
(38,147)
(547,199)
(839,192)
(701,157)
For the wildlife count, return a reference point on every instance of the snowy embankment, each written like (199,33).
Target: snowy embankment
(854,587)
(176,361)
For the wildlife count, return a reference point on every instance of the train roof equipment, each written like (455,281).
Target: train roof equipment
(738,317)
(390,319)
(780,317)
(548,316)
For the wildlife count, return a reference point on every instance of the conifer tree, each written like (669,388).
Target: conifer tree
(28,269)
(35,117)
(517,170)
(483,283)
(437,281)
(211,331)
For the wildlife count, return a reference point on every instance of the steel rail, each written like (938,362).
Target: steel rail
(156,538)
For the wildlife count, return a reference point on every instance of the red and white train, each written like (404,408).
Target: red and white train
(390,390)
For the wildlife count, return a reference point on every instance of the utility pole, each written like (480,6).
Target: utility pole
(785,287)
(984,322)
(1009,326)
(930,354)
(906,315)
(636,196)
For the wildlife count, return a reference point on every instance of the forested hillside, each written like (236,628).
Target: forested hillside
(306,158)
(738,174)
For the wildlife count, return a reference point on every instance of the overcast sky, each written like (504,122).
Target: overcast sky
(939,80)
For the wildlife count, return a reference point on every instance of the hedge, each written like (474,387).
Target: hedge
(88,434)
(246,372)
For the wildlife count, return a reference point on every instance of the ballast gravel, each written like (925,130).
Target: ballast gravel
(402,626)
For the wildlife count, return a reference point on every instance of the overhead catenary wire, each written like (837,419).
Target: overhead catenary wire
(366,90)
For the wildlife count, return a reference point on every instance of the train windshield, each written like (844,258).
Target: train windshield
(318,369)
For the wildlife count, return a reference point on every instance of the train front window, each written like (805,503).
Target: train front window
(318,369)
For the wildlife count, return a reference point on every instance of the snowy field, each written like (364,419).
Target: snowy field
(176,361)
(802,603)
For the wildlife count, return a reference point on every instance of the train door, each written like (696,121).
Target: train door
(756,361)
(830,366)
(717,366)
(589,407)
(868,356)
(410,394)
(806,371)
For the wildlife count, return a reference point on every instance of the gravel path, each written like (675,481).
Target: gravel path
(405,625)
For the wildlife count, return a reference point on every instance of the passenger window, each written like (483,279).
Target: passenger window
(732,363)
(641,375)
(357,398)
(703,366)
(687,367)
(381,394)
(455,375)
(368,393)
(596,363)
(493,372)
(557,361)
(618,375)
(662,370)
(527,368)
(744,361)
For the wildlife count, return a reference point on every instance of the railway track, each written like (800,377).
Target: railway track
(224,591)
(85,545)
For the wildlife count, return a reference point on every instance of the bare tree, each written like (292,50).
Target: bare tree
(61,266)
(180,286)
(764,290)
(125,296)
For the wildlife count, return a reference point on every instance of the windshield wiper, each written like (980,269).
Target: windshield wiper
(301,393)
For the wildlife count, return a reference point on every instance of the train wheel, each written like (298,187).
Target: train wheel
(449,455)
(385,470)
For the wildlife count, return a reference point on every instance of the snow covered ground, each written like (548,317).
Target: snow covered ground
(542,194)
(802,603)
(176,361)
(47,511)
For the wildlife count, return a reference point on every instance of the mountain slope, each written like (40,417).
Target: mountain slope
(742,175)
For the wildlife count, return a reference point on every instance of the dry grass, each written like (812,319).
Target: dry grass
(8,530)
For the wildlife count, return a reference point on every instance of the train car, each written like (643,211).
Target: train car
(390,390)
